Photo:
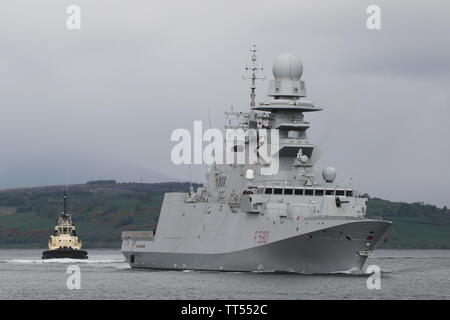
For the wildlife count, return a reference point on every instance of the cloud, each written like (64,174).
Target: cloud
(136,71)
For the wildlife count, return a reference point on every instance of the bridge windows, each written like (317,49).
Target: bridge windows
(306,191)
(278,191)
(319,192)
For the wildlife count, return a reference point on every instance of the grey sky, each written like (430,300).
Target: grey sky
(116,89)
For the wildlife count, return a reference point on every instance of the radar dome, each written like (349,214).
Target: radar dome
(287,65)
(250,174)
(329,174)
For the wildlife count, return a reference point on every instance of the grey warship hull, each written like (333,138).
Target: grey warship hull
(337,249)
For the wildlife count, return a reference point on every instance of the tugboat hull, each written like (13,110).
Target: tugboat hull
(64,253)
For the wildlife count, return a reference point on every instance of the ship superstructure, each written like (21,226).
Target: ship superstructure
(293,219)
(64,242)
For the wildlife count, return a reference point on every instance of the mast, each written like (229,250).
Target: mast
(65,202)
(65,214)
(253,69)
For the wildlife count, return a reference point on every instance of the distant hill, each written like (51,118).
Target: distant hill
(71,168)
(415,225)
(103,209)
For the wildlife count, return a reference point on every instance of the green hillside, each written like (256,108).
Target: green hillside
(103,209)
(415,225)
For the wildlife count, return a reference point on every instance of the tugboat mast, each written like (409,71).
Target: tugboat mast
(65,202)
(65,214)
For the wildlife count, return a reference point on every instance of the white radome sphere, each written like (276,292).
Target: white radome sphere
(287,65)
(329,174)
(250,174)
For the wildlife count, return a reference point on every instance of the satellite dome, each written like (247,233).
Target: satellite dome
(329,174)
(287,65)
(250,174)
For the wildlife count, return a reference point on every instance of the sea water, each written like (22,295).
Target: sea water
(405,274)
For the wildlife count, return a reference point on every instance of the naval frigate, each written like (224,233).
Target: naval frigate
(293,220)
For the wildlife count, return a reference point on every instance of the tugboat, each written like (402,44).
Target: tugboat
(64,243)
